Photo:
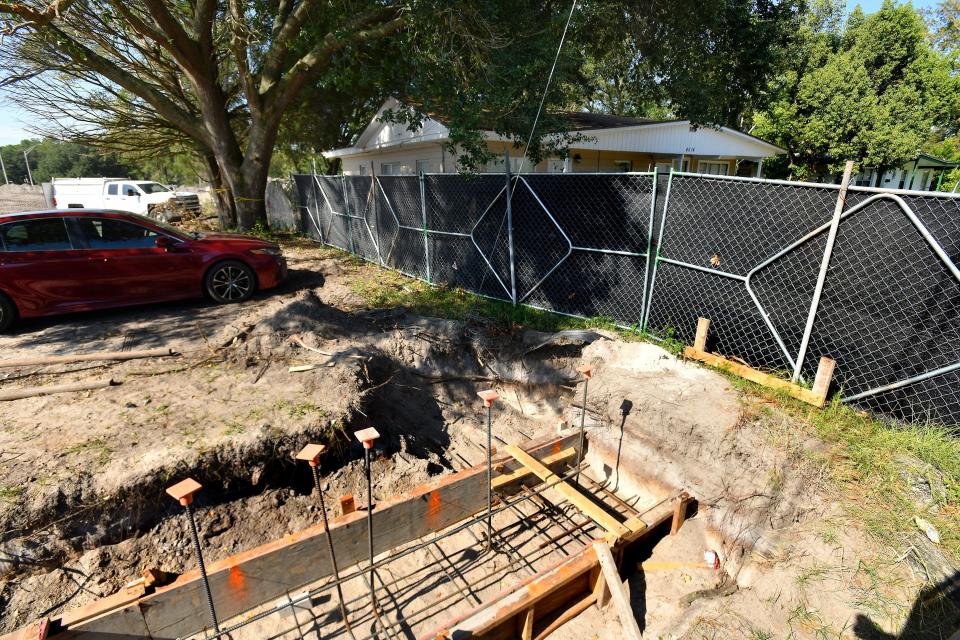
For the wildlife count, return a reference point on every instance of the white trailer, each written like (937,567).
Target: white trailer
(143,197)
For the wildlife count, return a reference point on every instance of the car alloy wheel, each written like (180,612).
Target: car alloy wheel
(231,282)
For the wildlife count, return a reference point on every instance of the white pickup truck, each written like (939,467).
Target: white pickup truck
(120,194)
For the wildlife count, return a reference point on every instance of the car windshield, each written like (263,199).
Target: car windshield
(152,187)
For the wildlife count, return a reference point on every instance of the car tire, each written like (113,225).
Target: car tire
(8,313)
(230,281)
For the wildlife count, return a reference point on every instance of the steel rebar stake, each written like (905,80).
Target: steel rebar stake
(489,397)
(587,371)
(367,436)
(183,492)
(311,454)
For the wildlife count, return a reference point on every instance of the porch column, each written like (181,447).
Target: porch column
(759,167)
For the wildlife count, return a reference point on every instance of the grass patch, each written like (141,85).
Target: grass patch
(9,494)
(96,448)
(384,288)
(876,464)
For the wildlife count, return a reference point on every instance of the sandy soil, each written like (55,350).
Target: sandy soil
(83,509)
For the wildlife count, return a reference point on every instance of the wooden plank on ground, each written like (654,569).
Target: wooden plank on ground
(523,473)
(620,598)
(753,375)
(577,499)
(243,581)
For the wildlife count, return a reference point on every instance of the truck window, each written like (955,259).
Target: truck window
(130,190)
(153,187)
(36,235)
(112,189)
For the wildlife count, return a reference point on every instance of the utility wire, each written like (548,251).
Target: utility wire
(546,89)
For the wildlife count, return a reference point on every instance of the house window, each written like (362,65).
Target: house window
(390,168)
(713,168)
(363,169)
(623,166)
(423,166)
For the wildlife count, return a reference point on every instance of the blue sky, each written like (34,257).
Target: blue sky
(13,127)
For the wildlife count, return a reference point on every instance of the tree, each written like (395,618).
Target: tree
(708,62)
(944,21)
(869,91)
(221,77)
(50,158)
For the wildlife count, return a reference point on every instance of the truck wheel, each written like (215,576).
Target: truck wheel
(230,281)
(8,313)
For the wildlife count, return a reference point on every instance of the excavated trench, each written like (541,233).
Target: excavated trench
(416,382)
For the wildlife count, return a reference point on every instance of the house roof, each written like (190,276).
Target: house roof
(602,131)
(585,120)
(929,160)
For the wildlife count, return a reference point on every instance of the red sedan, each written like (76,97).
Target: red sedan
(54,262)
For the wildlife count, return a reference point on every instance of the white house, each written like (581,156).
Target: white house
(921,174)
(610,144)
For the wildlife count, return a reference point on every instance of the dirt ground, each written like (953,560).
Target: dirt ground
(83,510)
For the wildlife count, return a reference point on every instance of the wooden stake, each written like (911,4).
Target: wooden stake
(347,505)
(700,342)
(620,599)
(527,633)
(679,512)
(821,384)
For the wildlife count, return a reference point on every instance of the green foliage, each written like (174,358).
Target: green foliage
(50,158)
(705,61)
(870,90)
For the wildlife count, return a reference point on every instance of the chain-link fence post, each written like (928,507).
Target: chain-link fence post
(315,187)
(509,195)
(346,210)
(373,200)
(426,230)
(656,258)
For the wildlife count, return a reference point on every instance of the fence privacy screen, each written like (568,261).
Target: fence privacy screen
(746,253)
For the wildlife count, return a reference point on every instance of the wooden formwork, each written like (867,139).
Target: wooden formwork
(243,583)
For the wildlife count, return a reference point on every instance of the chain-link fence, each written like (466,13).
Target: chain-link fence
(744,252)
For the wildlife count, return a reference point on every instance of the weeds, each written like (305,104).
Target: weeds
(97,448)
(10,494)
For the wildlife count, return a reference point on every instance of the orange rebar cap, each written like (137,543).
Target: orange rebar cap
(367,436)
(586,370)
(489,397)
(311,453)
(183,491)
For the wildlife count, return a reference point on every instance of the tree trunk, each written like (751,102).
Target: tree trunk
(226,211)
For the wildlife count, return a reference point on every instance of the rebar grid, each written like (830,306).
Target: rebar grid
(364,615)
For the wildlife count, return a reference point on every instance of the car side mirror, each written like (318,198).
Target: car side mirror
(163,242)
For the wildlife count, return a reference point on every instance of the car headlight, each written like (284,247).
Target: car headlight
(268,251)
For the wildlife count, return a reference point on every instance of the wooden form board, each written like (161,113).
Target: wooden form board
(567,587)
(241,582)
(816,396)
(580,501)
